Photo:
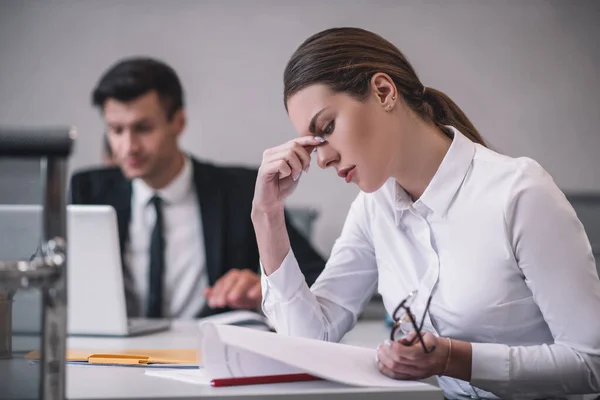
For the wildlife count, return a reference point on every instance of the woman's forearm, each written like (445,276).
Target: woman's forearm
(271,237)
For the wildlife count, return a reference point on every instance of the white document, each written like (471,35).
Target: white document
(195,376)
(222,359)
(233,351)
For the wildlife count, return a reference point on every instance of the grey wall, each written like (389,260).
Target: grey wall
(524,71)
(20,181)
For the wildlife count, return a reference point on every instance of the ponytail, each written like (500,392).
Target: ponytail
(441,110)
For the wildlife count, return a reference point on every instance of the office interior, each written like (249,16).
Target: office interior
(526,73)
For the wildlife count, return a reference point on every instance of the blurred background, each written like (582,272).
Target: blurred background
(525,72)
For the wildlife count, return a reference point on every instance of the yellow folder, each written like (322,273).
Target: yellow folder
(129,356)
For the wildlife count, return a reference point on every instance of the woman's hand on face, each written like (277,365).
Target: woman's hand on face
(405,359)
(280,171)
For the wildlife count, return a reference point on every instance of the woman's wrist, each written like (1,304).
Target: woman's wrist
(271,236)
(457,363)
(267,213)
(445,359)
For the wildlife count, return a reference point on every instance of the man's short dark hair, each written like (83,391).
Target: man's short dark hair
(133,77)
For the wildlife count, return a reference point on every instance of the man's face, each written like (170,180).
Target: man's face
(142,137)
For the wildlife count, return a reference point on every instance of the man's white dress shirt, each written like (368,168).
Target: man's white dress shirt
(185,276)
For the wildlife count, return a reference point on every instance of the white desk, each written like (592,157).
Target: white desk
(98,382)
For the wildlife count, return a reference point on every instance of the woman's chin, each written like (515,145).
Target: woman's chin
(366,188)
(369,186)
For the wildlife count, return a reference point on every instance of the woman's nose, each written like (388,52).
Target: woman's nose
(326,156)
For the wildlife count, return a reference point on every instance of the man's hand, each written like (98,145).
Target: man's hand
(238,288)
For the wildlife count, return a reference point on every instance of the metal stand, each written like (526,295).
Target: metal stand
(48,271)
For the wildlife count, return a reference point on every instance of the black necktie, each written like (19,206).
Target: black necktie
(157,262)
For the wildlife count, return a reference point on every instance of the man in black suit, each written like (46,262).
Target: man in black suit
(187,241)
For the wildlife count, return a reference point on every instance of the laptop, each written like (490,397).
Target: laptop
(96,295)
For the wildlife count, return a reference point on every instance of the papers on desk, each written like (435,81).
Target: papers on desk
(196,376)
(236,352)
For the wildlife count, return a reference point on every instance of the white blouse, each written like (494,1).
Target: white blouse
(503,254)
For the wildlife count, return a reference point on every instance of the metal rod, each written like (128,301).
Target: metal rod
(54,297)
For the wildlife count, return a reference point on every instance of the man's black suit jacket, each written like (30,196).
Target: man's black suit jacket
(225,196)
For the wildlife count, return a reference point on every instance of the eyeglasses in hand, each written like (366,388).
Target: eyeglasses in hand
(404,320)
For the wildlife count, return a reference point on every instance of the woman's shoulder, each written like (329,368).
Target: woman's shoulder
(508,169)
(512,177)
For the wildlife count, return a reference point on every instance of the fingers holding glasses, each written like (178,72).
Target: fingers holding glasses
(407,360)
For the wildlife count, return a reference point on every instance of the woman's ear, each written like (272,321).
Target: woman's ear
(384,90)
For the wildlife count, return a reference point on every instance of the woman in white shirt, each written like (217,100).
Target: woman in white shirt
(490,240)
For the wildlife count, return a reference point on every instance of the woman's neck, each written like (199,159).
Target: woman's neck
(428,146)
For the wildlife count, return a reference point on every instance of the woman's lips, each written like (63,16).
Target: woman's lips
(350,175)
(347,173)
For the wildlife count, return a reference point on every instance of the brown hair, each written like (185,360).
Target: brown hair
(346,59)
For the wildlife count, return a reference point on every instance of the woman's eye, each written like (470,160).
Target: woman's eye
(329,128)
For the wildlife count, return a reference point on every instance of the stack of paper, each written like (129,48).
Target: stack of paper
(196,376)
(235,352)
